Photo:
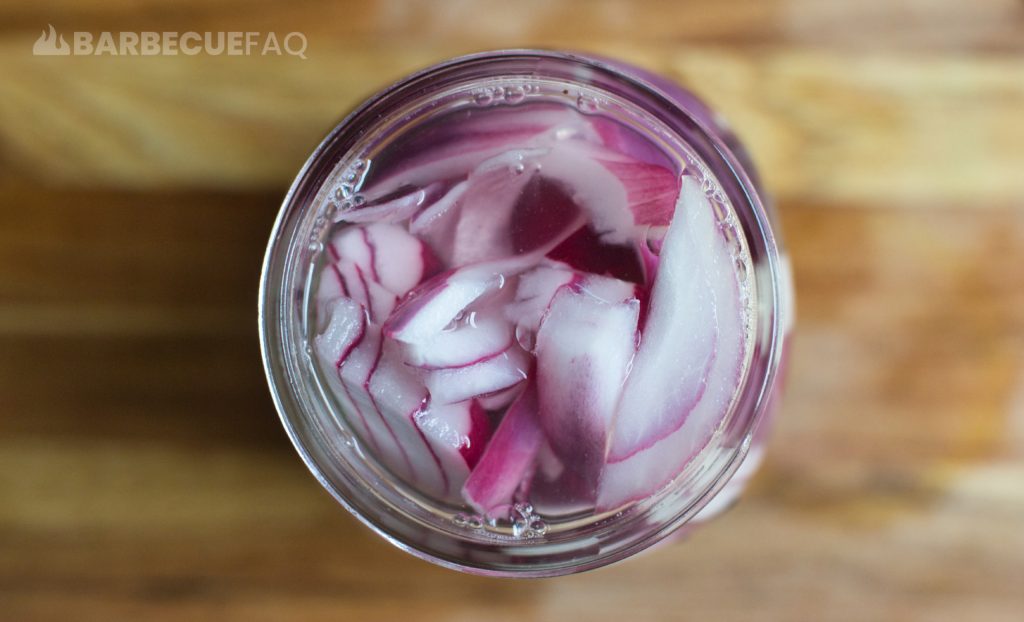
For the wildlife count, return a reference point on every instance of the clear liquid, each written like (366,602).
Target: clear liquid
(479,186)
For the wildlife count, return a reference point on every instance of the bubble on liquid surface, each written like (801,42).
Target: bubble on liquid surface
(515,94)
(525,523)
(587,104)
(468,521)
(741,269)
(351,179)
(483,97)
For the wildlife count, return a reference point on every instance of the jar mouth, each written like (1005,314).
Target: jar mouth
(304,408)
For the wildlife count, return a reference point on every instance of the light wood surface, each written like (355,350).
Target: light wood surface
(144,475)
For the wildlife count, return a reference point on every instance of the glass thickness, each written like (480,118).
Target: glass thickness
(523,313)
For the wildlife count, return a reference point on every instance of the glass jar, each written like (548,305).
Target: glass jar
(451,536)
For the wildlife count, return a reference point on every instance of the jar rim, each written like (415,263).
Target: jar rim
(277,306)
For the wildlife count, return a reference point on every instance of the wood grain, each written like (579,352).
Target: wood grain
(984,25)
(819,106)
(143,473)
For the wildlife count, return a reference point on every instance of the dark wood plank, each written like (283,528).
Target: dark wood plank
(83,261)
(891,490)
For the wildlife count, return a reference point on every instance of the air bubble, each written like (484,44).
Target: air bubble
(519,529)
(316,247)
(467,521)
(456,322)
(741,269)
(519,168)
(358,200)
(483,97)
(527,524)
(525,338)
(523,509)
(586,104)
(515,94)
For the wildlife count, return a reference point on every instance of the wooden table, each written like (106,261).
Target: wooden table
(144,475)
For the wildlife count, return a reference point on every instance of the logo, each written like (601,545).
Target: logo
(190,43)
(49,44)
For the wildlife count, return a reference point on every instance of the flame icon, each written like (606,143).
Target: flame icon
(49,44)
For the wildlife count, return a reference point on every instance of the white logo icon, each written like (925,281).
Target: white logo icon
(49,44)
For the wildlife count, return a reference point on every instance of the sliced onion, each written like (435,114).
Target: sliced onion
(508,459)
(584,348)
(690,359)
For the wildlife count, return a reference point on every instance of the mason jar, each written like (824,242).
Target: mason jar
(329,194)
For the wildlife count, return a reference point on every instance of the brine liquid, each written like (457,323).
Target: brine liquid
(503,324)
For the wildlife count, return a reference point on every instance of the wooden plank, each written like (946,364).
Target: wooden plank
(891,491)
(868,24)
(873,129)
(98,262)
(232,536)
(854,126)
(200,390)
